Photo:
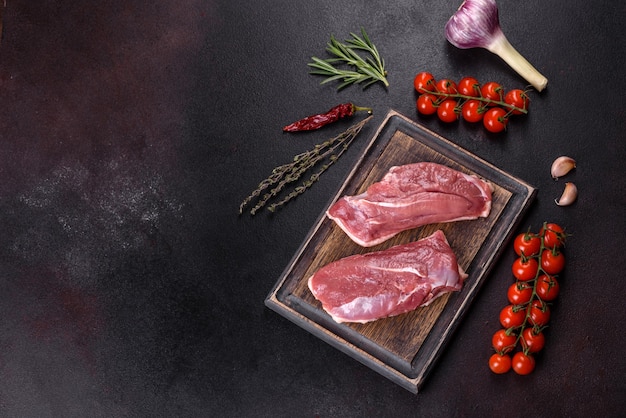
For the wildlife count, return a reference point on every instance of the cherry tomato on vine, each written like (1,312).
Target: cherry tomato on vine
(472,111)
(522,364)
(424,81)
(446,86)
(517,98)
(492,91)
(426,104)
(447,111)
(553,235)
(525,269)
(527,244)
(500,363)
(552,261)
(519,293)
(510,317)
(495,120)
(533,340)
(502,342)
(547,288)
(469,86)
(539,313)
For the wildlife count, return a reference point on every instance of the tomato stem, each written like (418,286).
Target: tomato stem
(443,96)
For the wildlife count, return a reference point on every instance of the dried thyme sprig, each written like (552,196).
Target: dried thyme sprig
(369,70)
(283,175)
(315,176)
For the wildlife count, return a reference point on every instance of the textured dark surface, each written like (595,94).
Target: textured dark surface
(129,133)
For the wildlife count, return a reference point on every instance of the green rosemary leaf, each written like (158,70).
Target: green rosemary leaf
(321,65)
(370,72)
(331,79)
(346,84)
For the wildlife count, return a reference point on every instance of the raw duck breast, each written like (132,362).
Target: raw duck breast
(410,196)
(365,287)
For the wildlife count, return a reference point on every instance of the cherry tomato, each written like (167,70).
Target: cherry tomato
(469,86)
(527,244)
(446,86)
(533,340)
(502,342)
(539,313)
(492,91)
(500,363)
(424,81)
(519,293)
(523,364)
(426,104)
(547,288)
(472,111)
(510,317)
(447,111)
(552,261)
(517,98)
(495,120)
(553,235)
(525,270)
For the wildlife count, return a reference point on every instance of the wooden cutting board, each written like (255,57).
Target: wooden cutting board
(403,348)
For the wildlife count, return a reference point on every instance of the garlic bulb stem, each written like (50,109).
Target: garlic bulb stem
(503,48)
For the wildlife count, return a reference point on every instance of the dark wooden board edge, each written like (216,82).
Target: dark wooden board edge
(358,348)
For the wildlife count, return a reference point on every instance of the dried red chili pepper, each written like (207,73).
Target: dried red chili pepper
(317,121)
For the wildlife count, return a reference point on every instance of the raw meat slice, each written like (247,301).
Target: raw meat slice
(409,196)
(365,287)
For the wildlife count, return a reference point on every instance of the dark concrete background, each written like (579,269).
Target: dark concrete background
(129,134)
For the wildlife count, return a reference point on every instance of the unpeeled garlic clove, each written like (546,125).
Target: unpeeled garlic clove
(569,195)
(561,166)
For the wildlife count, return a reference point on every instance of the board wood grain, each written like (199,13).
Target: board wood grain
(403,348)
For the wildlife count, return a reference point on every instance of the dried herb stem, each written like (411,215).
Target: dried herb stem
(289,173)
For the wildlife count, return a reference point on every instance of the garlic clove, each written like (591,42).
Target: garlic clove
(561,166)
(570,193)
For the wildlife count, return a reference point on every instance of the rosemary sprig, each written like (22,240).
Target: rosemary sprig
(369,70)
(284,175)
